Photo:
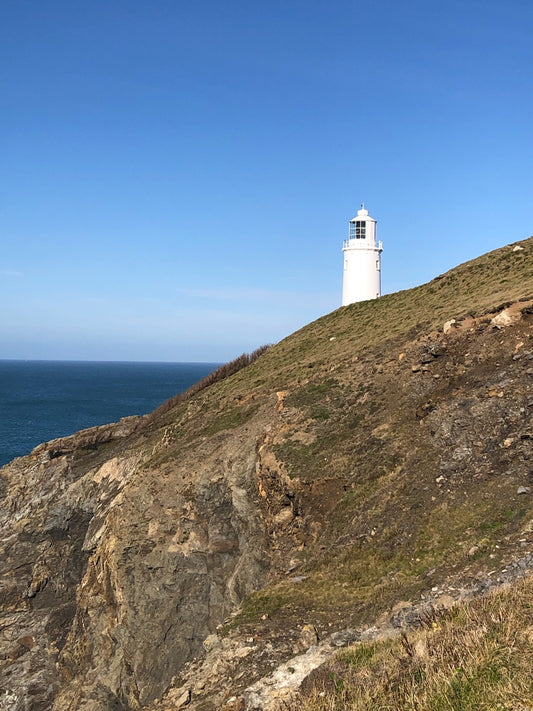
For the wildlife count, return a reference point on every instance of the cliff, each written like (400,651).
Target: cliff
(370,468)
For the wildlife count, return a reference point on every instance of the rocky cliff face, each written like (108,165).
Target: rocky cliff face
(372,463)
(115,571)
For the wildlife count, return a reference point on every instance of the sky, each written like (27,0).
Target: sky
(177,176)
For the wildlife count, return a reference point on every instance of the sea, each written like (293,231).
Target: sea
(42,400)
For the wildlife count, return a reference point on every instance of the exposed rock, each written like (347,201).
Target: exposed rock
(183,700)
(131,583)
(448,326)
(284,516)
(280,686)
(308,636)
(211,642)
(506,318)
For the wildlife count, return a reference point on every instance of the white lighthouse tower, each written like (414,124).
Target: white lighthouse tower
(362,260)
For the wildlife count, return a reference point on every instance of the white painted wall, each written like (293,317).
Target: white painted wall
(362,262)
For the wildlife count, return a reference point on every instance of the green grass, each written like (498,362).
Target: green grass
(312,394)
(231,418)
(478,657)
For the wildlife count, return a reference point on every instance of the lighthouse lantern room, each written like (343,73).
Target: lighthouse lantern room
(362,260)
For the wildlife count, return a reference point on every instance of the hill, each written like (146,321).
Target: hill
(358,477)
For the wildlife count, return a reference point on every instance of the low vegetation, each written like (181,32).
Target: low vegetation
(475,657)
(221,373)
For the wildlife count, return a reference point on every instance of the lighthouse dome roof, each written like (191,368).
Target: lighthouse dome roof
(362,214)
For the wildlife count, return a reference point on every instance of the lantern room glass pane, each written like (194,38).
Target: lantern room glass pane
(360,229)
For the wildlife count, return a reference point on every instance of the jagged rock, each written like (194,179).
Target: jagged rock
(308,636)
(284,517)
(211,642)
(280,686)
(183,700)
(449,326)
(506,318)
(344,637)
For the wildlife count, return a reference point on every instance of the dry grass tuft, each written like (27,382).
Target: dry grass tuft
(221,373)
(477,657)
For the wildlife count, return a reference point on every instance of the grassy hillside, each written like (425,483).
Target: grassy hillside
(480,286)
(395,464)
(370,437)
(476,657)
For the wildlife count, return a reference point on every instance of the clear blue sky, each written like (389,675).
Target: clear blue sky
(177,175)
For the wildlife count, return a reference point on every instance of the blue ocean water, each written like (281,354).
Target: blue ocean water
(42,400)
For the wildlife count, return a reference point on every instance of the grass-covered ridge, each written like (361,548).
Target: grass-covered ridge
(351,416)
(378,436)
(389,456)
(480,286)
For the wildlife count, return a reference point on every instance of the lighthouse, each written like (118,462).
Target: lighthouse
(362,260)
